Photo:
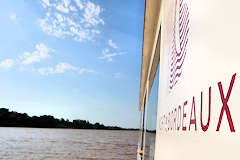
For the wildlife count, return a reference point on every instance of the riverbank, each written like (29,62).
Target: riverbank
(15,119)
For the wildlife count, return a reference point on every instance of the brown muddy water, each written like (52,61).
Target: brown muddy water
(67,144)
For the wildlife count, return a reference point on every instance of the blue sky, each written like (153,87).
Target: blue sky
(76,59)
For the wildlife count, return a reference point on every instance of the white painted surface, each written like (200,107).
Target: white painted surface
(213,56)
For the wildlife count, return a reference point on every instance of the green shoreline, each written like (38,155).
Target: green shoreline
(15,119)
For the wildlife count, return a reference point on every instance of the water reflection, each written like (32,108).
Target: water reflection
(151,120)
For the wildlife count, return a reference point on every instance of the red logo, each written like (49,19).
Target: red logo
(179,42)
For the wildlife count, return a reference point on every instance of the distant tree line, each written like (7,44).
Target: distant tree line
(15,119)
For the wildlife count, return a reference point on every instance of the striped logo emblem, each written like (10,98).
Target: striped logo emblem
(179,42)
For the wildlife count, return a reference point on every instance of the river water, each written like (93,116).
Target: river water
(67,144)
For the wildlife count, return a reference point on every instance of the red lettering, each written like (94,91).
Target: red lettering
(172,121)
(175,118)
(165,117)
(169,121)
(225,105)
(179,117)
(205,127)
(193,121)
(184,116)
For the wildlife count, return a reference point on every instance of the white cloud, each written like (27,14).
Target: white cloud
(7,63)
(59,68)
(62,68)
(45,71)
(13,17)
(106,55)
(78,19)
(86,70)
(66,2)
(91,14)
(110,51)
(41,52)
(72,8)
(117,75)
(79,4)
(111,44)
(45,3)
(62,9)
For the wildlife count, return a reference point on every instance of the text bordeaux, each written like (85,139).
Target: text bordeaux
(176,119)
